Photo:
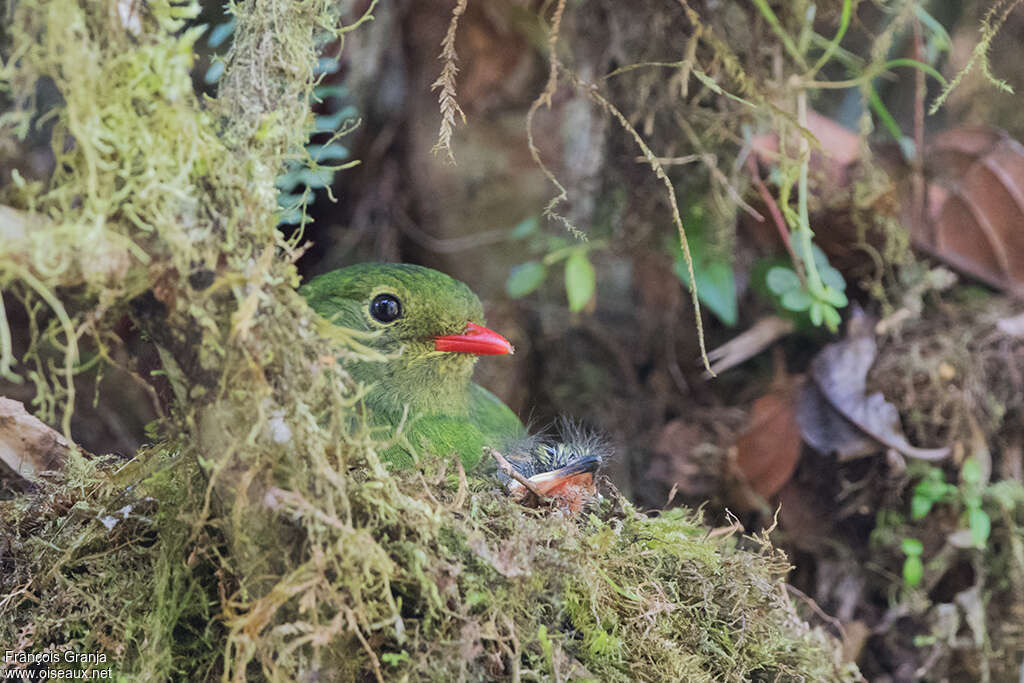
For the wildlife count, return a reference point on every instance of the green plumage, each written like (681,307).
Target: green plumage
(444,411)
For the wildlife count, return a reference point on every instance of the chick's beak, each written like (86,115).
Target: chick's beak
(573,484)
(579,473)
(477,339)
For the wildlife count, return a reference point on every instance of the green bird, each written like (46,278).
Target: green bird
(430,327)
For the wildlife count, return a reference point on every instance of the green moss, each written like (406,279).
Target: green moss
(435,588)
(70,582)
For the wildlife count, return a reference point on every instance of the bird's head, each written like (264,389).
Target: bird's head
(562,468)
(431,325)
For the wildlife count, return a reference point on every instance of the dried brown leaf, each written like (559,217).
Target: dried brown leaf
(976,205)
(825,429)
(769,448)
(27,445)
(840,371)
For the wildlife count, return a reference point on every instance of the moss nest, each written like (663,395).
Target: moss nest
(427,575)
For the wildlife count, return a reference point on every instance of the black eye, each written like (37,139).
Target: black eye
(385,308)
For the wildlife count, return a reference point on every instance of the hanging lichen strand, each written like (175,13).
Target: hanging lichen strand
(261,537)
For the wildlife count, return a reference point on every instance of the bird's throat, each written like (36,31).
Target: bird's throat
(427,384)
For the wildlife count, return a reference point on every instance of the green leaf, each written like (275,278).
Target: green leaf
(980,524)
(911,547)
(781,280)
(322,92)
(326,65)
(796,300)
(525,228)
(525,278)
(290,199)
(933,488)
(832,318)
(213,74)
(290,217)
(834,297)
(938,35)
(309,177)
(829,275)
(913,570)
(716,287)
(716,284)
(395,658)
(820,259)
(816,313)
(326,153)
(832,278)
(220,33)
(580,280)
(920,506)
(971,472)
(328,123)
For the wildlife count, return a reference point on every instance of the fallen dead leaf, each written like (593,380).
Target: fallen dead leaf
(975,205)
(855,637)
(839,148)
(27,445)
(826,431)
(840,372)
(769,448)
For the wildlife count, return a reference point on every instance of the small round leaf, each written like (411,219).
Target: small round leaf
(920,506)
(911,546)
(525,278)
(781,280)
(580,280)
(981,526)
(796,300)
(913,570)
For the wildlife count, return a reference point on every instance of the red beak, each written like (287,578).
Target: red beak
(476,339)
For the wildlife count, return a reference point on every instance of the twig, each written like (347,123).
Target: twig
(447,245)
(594,94)
(773,209)
(917,163)
(672,161)
(711,163)
(544,100)
(506,467)
(460,496)
(748,344)
(353,626)
(818,610)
